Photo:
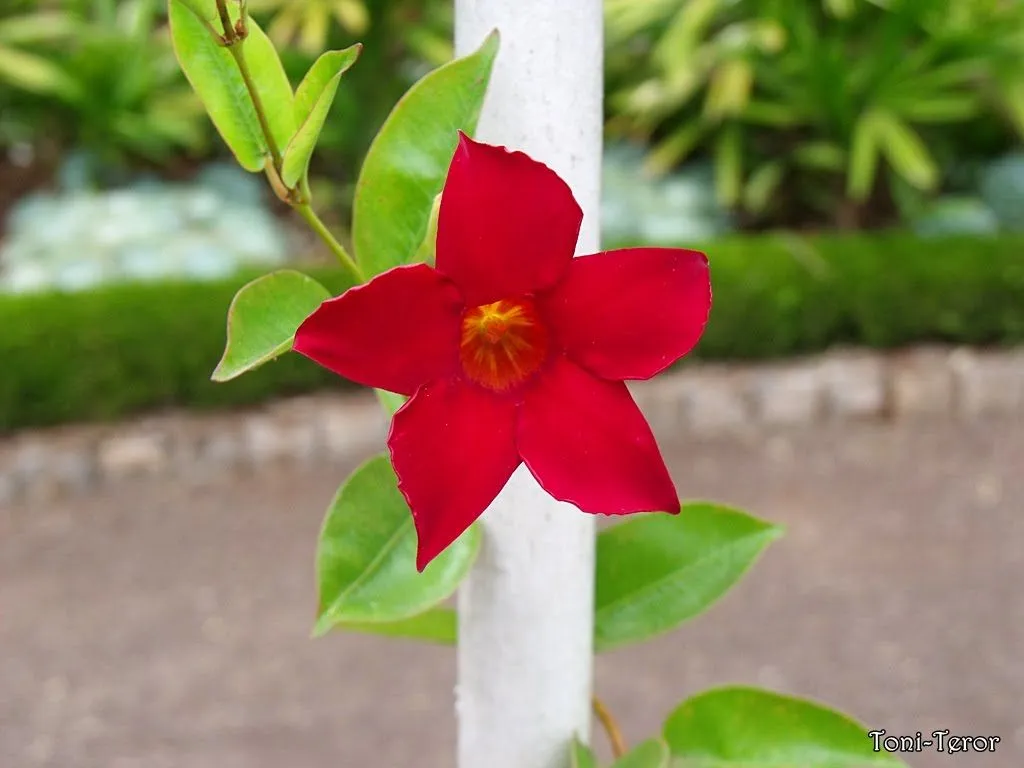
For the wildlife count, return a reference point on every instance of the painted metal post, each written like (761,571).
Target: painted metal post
(526,612)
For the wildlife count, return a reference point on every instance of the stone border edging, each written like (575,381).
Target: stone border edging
(701,399)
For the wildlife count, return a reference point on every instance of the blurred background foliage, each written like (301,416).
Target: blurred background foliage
(839,112)
(751,127)
(787,113)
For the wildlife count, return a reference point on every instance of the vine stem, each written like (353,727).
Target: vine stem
(257,102)
(611,727)
(233,38)
(307,213)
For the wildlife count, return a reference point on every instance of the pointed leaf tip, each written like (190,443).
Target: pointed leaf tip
(313,100)
(263,318)
(656,571)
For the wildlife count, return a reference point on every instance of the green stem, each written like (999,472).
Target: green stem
(306,212)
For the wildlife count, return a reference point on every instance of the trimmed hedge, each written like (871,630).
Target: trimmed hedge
(134,347)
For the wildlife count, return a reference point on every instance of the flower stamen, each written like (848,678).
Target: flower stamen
(502,343)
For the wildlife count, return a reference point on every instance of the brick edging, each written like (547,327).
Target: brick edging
(700,399)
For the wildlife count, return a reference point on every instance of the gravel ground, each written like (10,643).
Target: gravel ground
(167,624)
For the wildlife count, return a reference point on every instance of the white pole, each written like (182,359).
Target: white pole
(526,611)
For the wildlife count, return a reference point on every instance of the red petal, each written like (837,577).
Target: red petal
(587,443)
(630,314)
(507,225)
(453,449)
(397,332)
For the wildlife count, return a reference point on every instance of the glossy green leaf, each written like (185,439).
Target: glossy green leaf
(263,318)
(272,84)
(736,727)
(580,755)
(407,163)
(365,561)
(204,9)
(437,625)
(652,753)
(313,100)
(215,77)
(656,571)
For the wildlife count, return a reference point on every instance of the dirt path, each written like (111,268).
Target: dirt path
(167,624)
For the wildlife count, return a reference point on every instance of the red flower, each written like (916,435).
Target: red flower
(513,351)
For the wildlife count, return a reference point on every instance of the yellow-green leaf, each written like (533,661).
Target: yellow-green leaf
(906,152)
(263,318)
(729,164)
(271,83)
(863,158)
(437,625)
(215,76)
(738,727)
(313,100)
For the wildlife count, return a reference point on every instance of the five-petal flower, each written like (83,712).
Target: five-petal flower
(514,352)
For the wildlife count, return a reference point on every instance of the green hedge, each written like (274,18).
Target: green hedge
(130,348)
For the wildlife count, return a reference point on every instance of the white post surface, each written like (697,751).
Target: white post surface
(526,611)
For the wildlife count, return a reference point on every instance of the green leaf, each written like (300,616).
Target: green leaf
(271,84)
(762,185)
(313,101)
(906,152)
(652,753)
(391,401)
(39,27)
(940,109)
(406,165)
(863,158)
(729,164)
(204,9)
(263,318)
(675,148)
(821,155)
(728,89)
(427,252)
(213,73)
(656,571)
(35,73)
(736,727)
(580,755)
(365,560)
(437,625)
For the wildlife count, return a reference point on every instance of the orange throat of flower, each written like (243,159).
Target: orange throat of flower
(502,343)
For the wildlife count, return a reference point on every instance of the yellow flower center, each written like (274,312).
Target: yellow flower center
(502,343)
